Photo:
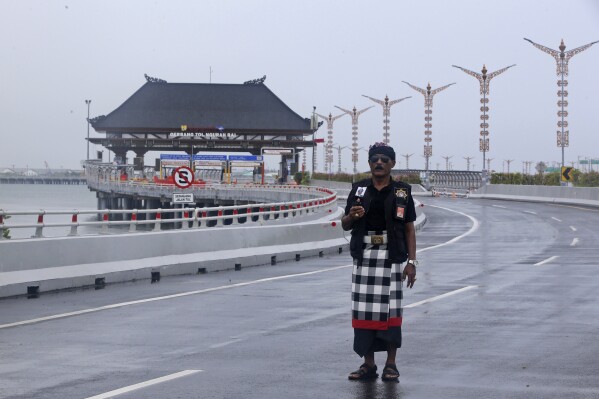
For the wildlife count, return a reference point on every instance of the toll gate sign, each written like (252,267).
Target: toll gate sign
(183,177)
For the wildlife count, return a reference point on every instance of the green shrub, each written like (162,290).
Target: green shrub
(5,231)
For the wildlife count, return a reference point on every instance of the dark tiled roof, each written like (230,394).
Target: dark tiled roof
(203,107)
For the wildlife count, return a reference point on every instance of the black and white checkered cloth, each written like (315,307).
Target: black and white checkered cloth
(376,289)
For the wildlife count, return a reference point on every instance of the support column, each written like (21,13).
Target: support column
(120,155)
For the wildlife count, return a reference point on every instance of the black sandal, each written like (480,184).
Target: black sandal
(365,372)
(390,373)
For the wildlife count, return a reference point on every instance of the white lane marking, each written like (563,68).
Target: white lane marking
(573,228)
(531,212)
(220,345)
(576,207)
(499,206)
(334,312)
(574,242)
(554,218)
(546,260)
(144,384)
(436,298)
(160,298)
(475,225)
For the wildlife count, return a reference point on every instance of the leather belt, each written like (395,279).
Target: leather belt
(376,239)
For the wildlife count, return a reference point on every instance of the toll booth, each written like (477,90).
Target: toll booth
(246,168)
(209,167)
(170,162)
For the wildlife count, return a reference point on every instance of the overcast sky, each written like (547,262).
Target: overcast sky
(56,54)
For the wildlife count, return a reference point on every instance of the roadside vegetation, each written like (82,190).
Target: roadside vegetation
(411,178)
(579,179)
(5,231)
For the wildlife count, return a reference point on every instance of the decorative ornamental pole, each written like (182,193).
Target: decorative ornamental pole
(484,79)
(468,159)
(339,148)
(329,145)
(428,110)
(489,164)
(314,126)
(447,158)
(354,121)
(386,104)
(407,157)
(88,102)
(508,161)
(561,58)
(303,161)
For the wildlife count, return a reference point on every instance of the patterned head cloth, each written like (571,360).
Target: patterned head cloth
(381,148)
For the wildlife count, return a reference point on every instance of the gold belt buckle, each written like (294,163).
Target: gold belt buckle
(377,240)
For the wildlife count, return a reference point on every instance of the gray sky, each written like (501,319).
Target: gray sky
(56,54)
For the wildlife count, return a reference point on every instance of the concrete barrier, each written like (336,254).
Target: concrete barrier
(66,262)
(586,196)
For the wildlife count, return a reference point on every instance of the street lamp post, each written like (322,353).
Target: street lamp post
(485,80)
(88,102)
(386,104)
(561,58)
(428,110)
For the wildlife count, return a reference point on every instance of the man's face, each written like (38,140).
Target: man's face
(380,165)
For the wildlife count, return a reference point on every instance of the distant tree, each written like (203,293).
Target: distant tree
(5,231)
(302,178)
(305,178)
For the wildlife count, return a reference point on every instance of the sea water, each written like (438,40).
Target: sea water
(54,197)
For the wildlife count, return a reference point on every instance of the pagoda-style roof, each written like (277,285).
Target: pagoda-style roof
(161,107)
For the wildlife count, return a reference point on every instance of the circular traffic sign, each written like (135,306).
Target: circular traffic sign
(183,177)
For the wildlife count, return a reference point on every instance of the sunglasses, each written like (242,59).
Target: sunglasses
(382,158)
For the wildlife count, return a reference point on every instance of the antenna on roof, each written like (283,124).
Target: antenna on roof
(210,73)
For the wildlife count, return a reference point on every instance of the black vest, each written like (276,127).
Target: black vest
(396,238)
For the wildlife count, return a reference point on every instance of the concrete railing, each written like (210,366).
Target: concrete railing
(323,201)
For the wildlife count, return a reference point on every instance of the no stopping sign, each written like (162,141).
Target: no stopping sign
(183,177)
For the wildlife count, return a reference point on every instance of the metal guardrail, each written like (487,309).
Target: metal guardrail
(188,217)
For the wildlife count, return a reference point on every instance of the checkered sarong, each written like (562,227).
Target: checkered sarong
(376,289)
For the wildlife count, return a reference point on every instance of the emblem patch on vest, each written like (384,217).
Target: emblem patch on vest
(401,193)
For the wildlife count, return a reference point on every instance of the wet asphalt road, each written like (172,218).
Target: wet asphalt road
(526,326)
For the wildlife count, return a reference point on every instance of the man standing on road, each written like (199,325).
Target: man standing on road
(380,213)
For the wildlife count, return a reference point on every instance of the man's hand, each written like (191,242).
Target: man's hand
(356,212)
(409,271)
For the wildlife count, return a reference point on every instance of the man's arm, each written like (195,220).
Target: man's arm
(352,212)
(409,270)
(411,240)
(355,212)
